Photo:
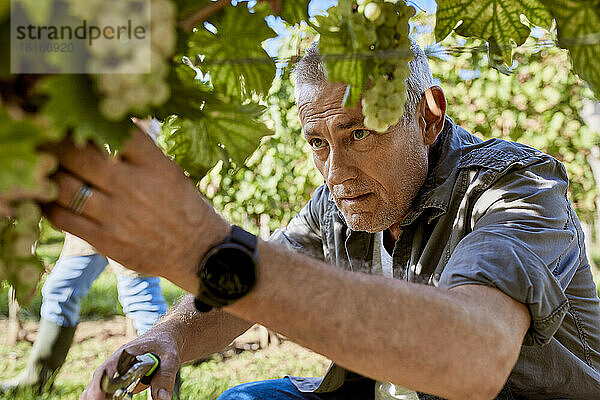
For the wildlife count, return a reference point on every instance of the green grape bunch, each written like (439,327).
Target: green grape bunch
(383,102)
(380,30)
(18,236)
(122,89)
(23,180)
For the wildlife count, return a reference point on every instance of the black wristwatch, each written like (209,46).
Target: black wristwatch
(228,271)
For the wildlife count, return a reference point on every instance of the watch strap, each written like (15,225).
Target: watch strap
(242,237)
(202,306)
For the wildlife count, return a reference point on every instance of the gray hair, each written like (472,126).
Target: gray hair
(310,70)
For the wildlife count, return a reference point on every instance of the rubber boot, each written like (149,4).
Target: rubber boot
(48,354)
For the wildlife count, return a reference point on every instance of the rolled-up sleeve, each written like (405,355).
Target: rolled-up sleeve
(303,233)
(525,240)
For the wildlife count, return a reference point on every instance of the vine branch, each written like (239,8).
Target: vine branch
(201,15)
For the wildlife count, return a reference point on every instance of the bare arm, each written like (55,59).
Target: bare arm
(200,334)
(459,344)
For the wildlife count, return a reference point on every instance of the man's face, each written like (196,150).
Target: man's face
(374,177)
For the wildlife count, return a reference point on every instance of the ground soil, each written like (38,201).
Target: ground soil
(113,330)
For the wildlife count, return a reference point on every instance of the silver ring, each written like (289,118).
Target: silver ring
(80,198)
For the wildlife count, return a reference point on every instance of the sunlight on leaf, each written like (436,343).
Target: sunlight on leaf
(578,24)
(497,19)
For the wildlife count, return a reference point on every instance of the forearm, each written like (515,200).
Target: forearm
(200,334)
(417,336)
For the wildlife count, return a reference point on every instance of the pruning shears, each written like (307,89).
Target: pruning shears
(131,370)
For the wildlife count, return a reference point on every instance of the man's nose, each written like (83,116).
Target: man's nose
(339,168)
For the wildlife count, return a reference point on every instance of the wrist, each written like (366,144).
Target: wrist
(172,329)
(205,238)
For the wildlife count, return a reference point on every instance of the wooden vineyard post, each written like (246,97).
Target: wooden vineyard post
(130,331)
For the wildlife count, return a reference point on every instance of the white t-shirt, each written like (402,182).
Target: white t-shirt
(383,265)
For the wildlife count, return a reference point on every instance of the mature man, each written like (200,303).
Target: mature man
(491,293)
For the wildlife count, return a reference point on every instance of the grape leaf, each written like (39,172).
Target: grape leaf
(294,11)
(188,95)
(233,56)
(346,67)
(578,25)
(225,131)
(73,107)
(188,143)
(202,128)
(496,20)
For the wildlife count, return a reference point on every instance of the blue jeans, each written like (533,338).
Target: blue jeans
(71,279)
(284,389)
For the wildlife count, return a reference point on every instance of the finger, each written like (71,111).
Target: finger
(87,163)
(68,186)
(162,388)
(44,191)
(163,383)
(93,391)
(78,225)
(141,150)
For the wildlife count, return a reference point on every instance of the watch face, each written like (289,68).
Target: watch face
(229,272)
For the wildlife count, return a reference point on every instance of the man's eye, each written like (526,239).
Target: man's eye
(360,134)
(316,143)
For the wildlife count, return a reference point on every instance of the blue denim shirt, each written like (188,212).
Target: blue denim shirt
(492,213)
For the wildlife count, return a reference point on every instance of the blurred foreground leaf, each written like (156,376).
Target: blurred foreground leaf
(72,107)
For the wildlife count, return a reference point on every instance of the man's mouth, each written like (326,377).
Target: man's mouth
(356,199)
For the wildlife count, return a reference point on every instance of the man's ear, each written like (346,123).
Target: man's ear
(432,114)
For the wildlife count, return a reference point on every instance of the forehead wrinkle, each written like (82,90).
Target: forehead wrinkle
(321,110)
(326,115)
(322,123)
